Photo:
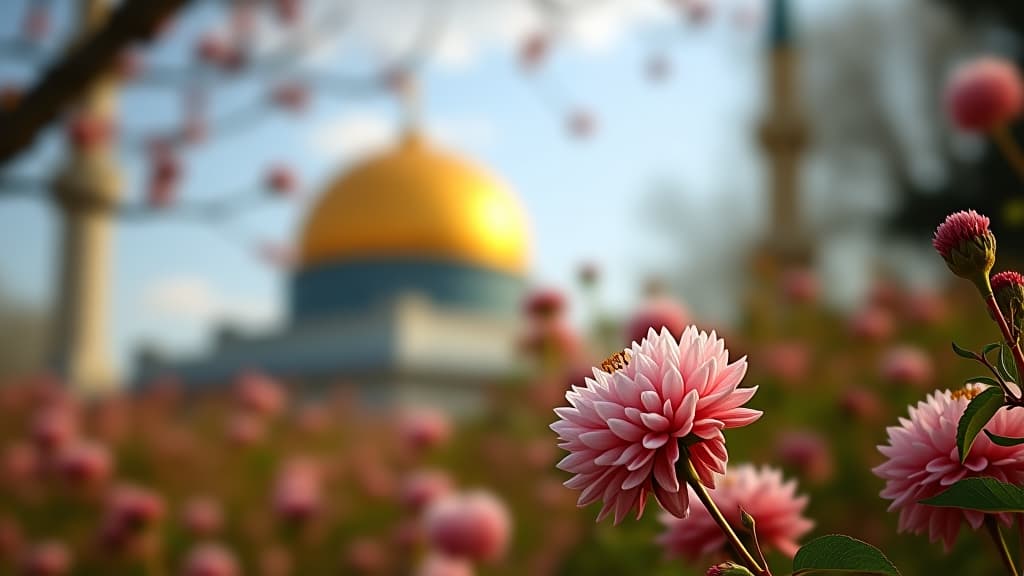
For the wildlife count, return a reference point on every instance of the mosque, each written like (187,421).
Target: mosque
(412,267)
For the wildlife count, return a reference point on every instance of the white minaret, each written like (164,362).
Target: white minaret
(86,191)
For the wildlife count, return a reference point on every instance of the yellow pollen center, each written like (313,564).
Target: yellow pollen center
(616,361)
(967,392)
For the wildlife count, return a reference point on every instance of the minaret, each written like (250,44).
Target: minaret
(86,190)
(783,136)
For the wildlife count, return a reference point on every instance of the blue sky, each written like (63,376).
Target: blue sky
(175,279)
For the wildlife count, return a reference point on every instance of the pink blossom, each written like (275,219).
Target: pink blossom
(50,558)
(297,494)
(872,324)
(762,493)
(544,304)
(84,463)
(958,228)
(210,560)
(53,427)
(800,285)
(984,94)
(259,393)
(624,427)
(440,565)
(202,516)
(860,403)
(807,452)
(922,460)
(907,365)
(657,313)
(1006,279)
(787,361)
(245,429)
(926,308)
(423,428)
(423,487)
(366,555)
(131,511)
(472,525)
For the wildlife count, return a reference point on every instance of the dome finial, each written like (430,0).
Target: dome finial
(404,84)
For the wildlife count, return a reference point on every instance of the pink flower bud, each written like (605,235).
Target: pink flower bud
(544,304)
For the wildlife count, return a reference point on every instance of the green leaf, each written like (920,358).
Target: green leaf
(1004,368)
(838,554)
(990,347)
(983,380)
(981,409)
(1003,440)
(964,353)
(982,494)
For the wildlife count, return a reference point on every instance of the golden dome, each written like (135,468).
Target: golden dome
(417,201)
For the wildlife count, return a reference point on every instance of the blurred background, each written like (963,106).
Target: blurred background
(251,249)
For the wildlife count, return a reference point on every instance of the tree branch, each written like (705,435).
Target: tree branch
(70,76)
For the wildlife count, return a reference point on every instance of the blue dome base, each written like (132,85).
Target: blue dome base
(333,288)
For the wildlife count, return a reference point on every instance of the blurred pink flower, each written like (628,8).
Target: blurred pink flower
(787,361)
(624,427)
(922,460)
(907,365)
(423,428)
(366,555)
(926,308)
(656,313)
(210,560)
(246,428)
(202,516)
(84,463)
(800,285)
(53,427)
(259,393)
(297,492)
(807,452)
(860,403)
(872,324)
(983,94)
(762,493)
(440,565)
(421,488)
(544,304)
(131,511)
(551,340)
(50,558)
(21,463)
(473,525)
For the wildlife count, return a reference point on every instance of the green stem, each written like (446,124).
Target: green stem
(992,525)
(743,555)
(1010,149)
(1008,337)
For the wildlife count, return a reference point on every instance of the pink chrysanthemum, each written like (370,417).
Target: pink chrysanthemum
(958,228)
(983,94)
(923,461)
(624,427)
(763,494)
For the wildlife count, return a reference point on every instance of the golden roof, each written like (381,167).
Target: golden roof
(415,201)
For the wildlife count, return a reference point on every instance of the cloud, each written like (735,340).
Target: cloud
(194,300)
(357,134)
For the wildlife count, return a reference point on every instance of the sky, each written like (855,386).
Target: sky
(175,280)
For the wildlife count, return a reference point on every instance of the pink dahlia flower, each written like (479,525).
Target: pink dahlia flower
(763,494)
(984,94)
(624,427)
(922,460)
(472,525)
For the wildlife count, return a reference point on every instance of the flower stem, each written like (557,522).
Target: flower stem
(1010,149)
(992,525)
(741,551)
(1008,336)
